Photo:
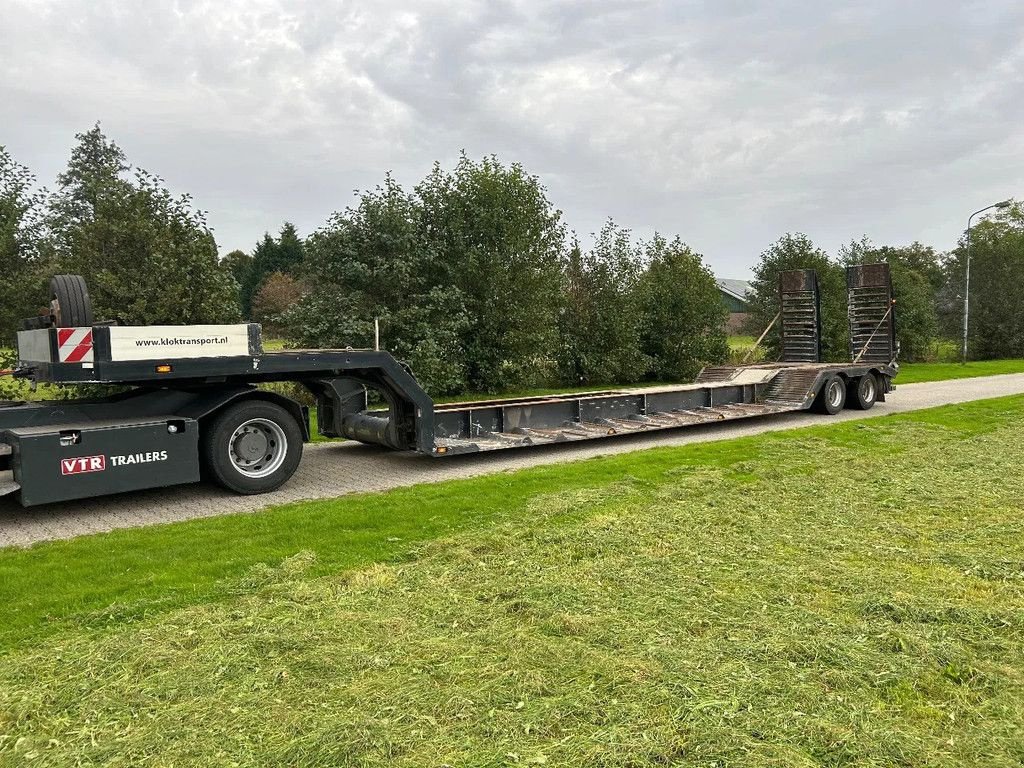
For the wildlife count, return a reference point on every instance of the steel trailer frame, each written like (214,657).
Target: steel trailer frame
(153,434)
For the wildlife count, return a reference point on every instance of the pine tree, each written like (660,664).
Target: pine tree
(284,254)
(21,246)
(148,256)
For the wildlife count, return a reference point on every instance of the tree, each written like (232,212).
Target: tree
(21,241)
(253,276)
(796,251)
(149,256)
(280,292)
(916,277)
(500,244)
(683,325)
(601,321)
(284,254)
(373,261)
(290,250)
(996,326)
(237,263)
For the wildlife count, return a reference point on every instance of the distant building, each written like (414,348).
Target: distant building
(735,296)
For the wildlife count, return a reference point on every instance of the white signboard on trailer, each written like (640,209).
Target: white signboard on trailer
(169,342)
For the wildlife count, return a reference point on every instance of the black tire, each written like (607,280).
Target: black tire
(831,397)
(862,392)
(69,302)
(232,441)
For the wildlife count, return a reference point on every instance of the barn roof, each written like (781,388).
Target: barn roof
(738,289)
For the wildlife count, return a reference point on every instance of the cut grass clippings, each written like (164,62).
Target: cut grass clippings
(851,594)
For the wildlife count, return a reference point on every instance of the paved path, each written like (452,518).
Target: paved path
(334,469)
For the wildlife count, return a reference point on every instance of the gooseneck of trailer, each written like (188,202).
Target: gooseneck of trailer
(191,405)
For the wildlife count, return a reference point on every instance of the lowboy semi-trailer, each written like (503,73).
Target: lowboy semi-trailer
(192,406)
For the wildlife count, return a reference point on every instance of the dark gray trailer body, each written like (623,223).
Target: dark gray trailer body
(719,394)
(197,410)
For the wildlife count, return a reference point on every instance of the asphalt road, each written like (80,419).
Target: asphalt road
(334,469)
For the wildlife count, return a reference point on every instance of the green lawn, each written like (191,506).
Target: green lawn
(846,594)
(913,373)
(741,343)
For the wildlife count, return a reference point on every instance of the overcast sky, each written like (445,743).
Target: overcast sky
(728,123)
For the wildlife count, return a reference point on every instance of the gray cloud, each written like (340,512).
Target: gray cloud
(728,123)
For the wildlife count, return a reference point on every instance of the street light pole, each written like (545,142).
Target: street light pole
(967,273)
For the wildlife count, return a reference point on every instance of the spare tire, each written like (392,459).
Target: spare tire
(69,302)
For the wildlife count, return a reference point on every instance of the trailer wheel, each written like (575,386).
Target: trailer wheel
(862,392)
(253,446)
(831,397)
(69,302)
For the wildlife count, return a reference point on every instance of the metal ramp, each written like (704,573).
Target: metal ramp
(792,388)
(800,315)
(870,314)
(715,373)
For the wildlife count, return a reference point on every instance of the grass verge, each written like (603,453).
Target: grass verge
(849,594)
(914,373)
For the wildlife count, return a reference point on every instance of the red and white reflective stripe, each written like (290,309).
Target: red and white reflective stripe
(74,345)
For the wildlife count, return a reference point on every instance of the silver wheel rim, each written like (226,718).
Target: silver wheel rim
(257,448)
(868,393)
(835,393)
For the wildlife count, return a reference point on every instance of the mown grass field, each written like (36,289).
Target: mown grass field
(842,595)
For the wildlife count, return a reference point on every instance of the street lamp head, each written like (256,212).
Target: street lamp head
(1003,204)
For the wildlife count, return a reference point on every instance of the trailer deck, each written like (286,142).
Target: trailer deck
(719,394)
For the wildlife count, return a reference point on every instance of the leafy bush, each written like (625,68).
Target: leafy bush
(495,238)
(280,292)
(21,258)
(601,322)
(683,317)
(372,261)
